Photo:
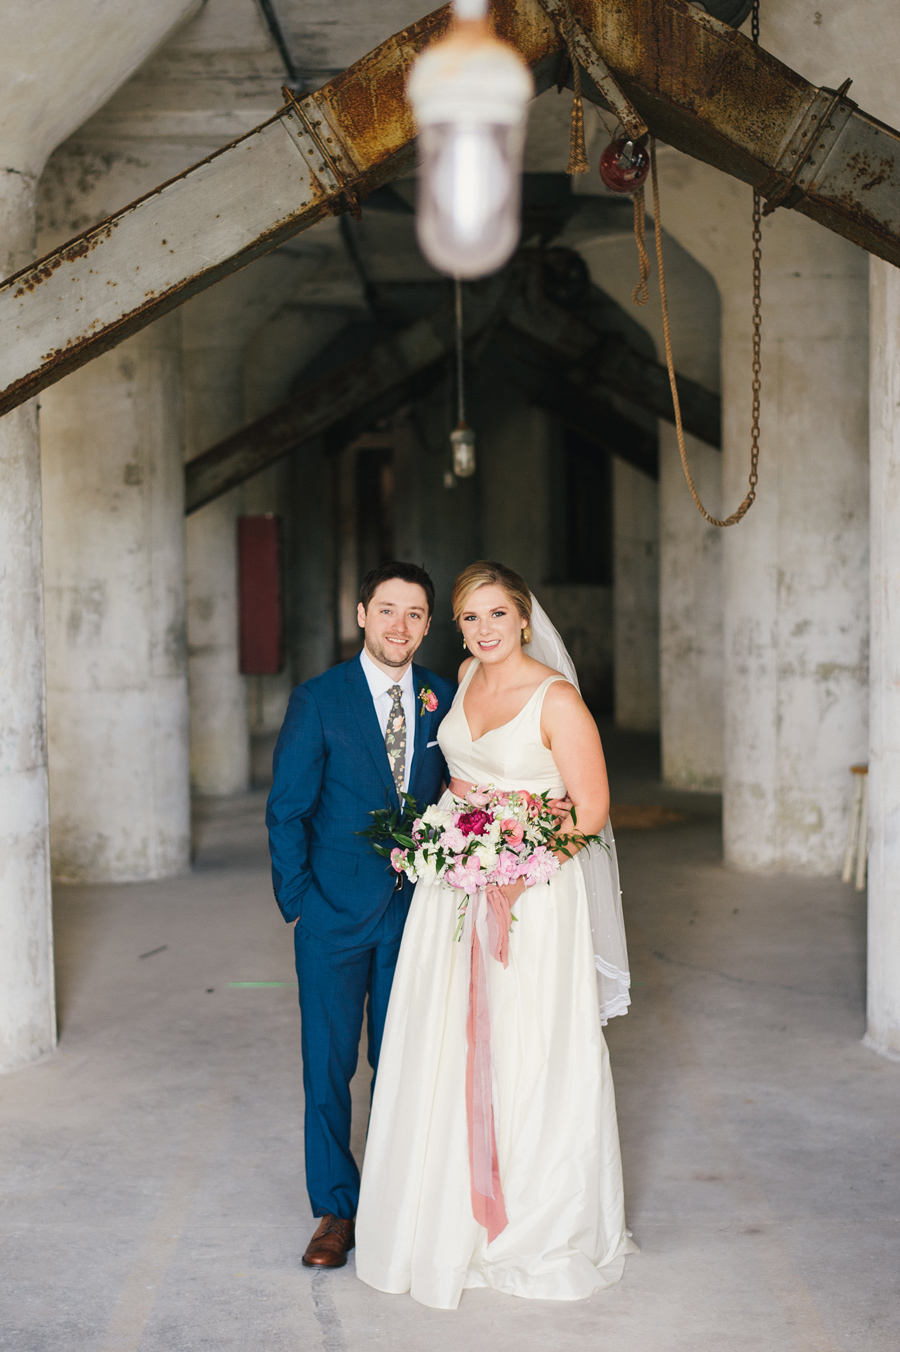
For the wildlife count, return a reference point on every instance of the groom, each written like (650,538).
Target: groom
(353,739)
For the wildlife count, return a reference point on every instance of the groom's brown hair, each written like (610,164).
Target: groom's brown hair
(406,572)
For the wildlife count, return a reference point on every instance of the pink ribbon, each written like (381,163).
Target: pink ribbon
(487,923)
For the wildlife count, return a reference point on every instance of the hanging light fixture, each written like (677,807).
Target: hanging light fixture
(470,96)
(462,438)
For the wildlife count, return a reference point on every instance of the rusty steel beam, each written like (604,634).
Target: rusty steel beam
(698,84)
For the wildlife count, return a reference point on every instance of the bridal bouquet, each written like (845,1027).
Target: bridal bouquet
(489,838)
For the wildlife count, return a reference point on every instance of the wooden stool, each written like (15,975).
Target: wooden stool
(857,850)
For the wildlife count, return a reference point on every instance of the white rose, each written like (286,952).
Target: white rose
(426,872)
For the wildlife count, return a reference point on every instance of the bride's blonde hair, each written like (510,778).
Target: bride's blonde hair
(487,573)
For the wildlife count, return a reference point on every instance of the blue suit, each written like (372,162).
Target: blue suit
(330,773)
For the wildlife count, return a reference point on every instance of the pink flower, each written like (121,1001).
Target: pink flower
(453,839)
(540,866)
(429,701)
(479,796)
(508,867)
(513,830)
(398,859)
(473,823)
(468,876)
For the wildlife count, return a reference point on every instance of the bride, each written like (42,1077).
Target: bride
(519,1189)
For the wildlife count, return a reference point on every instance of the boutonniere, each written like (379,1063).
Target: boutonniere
(429,701)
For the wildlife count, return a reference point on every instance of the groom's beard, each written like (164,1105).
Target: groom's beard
(390,653)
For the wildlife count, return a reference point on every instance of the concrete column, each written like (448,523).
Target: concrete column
(796,605)
(635,599)
(883,1032)
(114,559)
(27,1011)
(690,616)
(796,572)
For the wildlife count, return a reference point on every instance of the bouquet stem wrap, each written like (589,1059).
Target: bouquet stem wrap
(485,931)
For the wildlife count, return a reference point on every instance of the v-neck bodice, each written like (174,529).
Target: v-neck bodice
(512,756)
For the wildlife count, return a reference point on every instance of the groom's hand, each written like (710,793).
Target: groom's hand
(560,807)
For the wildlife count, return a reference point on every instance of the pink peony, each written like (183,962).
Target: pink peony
(473,823)
(468,876)
(479,796)
(453,839)
(431,701)
(540,866)
(508,867)
(513,830)
(398,859)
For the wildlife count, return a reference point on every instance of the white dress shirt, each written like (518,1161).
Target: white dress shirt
(379,685)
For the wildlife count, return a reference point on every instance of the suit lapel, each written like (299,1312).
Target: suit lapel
(423,724)
(364,710)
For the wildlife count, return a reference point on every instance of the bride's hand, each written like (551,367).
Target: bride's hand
(512,891)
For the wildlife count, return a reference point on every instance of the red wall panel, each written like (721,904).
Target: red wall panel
(259,595)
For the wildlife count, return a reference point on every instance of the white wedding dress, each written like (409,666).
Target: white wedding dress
(555,1116)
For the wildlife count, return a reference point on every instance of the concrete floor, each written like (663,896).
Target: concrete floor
(153,1192)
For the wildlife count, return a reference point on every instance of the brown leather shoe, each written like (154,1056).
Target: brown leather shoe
(329,1245)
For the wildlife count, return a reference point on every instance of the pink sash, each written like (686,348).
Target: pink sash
(486,929)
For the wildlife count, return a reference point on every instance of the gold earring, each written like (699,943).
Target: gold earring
(465,645)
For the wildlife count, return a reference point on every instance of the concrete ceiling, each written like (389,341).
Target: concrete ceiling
(324,37)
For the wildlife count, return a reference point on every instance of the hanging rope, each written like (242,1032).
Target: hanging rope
(578,160)
(745,506)
(641,293)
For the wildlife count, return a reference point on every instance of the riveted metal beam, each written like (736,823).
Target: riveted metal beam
(697,83)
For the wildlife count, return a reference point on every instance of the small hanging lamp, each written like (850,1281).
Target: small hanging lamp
(462,438)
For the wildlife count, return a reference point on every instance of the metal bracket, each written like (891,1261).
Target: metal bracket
(320,152)
(806,147)
(592,62)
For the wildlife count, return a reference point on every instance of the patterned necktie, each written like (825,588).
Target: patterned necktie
(395,737)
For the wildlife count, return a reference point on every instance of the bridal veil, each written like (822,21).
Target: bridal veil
(599,867)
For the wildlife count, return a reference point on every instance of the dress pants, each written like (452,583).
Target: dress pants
(333,985)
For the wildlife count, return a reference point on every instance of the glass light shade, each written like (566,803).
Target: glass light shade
(469,197)
(462,439)
(470,96)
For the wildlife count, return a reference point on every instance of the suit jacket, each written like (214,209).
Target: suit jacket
(330,772)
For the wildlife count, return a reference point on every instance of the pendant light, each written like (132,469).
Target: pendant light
(470,95)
